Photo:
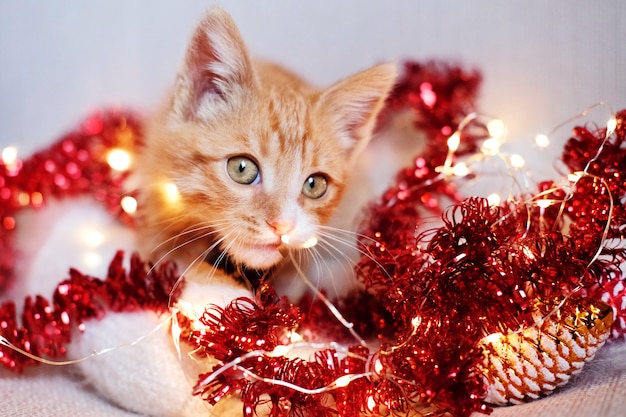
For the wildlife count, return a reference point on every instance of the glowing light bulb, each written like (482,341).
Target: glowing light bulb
(119,159)
(92,260)
(343,381)
(454,141)
(92,237)
(490,146)
(517,161)
(544,203)
(280,350)
(542,141)
(496,128)
(9,155)
(378,366)
(460,170)
(494,199)
(23,198)
(610,126)
(170,192)
(295,337)
(129,204)
(575,176)
(371,403)
(36,199)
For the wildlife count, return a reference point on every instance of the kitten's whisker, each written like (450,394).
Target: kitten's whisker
(197,261)
(333,251)
(181,245)
(324,235)
(318,259)
(195,229)
(356,235)
(223,253)
(360,237)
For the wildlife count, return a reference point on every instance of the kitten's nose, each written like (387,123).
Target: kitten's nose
(281,227)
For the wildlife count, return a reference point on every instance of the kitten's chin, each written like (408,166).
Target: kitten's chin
(257,256)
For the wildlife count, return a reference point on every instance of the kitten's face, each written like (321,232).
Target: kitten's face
(258,159)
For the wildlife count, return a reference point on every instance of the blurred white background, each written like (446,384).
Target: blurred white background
(542,62)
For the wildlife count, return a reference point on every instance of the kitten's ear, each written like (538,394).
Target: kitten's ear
(217,69)
(354,103)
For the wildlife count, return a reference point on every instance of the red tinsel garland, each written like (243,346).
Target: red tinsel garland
(431,296)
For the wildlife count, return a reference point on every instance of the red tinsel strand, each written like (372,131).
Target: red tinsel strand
(46,327)
(606,193)
(75,165)
(440,96)
(245,325)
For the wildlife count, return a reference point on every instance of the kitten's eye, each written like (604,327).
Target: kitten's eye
(243,170)
(315,186)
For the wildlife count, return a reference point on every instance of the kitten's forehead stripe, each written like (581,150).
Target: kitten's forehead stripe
(287,115)
(201,159)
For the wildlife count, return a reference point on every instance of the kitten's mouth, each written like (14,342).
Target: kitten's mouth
(268,246)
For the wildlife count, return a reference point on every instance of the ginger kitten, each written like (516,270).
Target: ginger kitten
(246,161)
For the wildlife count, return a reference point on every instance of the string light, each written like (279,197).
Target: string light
(91,237)
(611,125)
(92,260)
(490,146)
(9,155)
(542,141)
(494,199)
(371,403)
(517,161)
(170,192)
(575,176)
(378,366)
(460,170)
(129,204)
(496,128)
(119,159)
(454,141)
(544,203)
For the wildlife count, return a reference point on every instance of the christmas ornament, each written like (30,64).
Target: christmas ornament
(525,365)
(499,303)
